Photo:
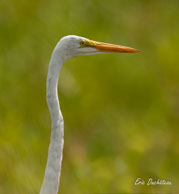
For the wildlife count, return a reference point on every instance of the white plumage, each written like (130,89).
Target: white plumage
(67,47)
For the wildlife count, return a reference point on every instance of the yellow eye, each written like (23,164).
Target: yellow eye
(82,43)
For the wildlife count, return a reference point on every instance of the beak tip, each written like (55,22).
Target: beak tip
(135,51)
(138,51)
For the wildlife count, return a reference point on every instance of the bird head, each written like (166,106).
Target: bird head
(72,46)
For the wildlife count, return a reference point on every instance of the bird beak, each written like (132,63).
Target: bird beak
(106,47)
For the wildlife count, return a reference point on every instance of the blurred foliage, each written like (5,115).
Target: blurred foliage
(121,111)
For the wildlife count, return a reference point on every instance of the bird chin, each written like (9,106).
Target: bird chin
(88,51)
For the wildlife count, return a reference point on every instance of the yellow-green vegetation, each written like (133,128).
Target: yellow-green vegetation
(121,111)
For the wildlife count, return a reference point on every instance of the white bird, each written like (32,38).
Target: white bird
(67,47)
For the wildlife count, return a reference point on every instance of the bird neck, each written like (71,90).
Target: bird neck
(55,153)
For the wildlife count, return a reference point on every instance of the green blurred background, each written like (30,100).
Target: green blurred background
(121,111)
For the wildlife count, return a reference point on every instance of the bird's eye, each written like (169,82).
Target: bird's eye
(82,43)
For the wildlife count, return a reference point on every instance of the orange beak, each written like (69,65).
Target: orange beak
(106,47)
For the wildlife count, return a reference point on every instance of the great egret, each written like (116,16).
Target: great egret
(67,47)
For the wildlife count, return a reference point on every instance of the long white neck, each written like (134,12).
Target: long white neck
(53,168)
